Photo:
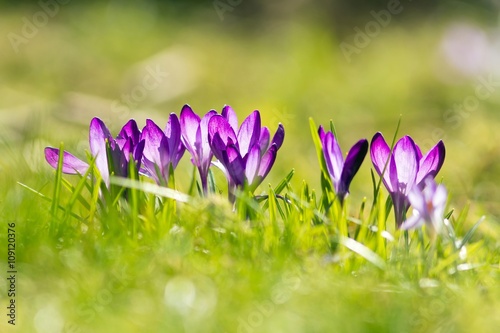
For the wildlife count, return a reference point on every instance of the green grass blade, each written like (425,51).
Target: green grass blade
(151,188)
(57,188)
(212,186)
(193,184)
(134,195)
(76,194)
(72,189)
(363,251)
(285,182)
(318,146)
(46,198)
(450,213)
(273,215)
(471,232)
(333,129)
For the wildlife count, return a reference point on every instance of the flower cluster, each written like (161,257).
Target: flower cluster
(112,156)
(341,172)
(404,168)
(246,154)
(407,174)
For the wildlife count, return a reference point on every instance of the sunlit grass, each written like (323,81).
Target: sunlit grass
(274,266)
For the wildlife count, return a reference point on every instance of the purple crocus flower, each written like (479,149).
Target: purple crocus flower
(162,149)
(101,142)
(341,172)
(195,138)
(406,167)
(246,154)
(428,202)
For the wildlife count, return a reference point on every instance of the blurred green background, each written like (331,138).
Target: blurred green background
(361,63)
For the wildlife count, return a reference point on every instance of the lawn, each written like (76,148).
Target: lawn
(287,257)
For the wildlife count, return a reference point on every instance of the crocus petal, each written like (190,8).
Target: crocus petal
(138,153)
(129,130)
(321,133)
(401,206)
(204,128)
(431,163)
(126,150)
(218,124)
(249,132)
(71,164)
(439,203)
(352,164)
(98,135)
(230,115)
(252,163)
(153,137)
(205,153)
(218,147)
(234,165)
(149,170)
(413,221)
(419,152)
(380,154)
(405,159)
(440,196)
(428,202)
(264,140)
(190,123)
(333,157)
(266,163)
(279,136)
(121,158)
(178,155)
(173,133)
(417,199)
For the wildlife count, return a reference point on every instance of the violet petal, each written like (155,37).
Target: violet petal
(352,163)
(413,221)
(264,140)
(333,157)
(431,163)
(252,163)
(98,135)
(249,132)
(266,163)
(129,130)
(380,154)
(153,138)
(71,164)
(204,134)
(218,146)
(321,133)
(218,124)
(234,165)
(405,159)
(279,136)
(190,124)
(230,115)
(173,133)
